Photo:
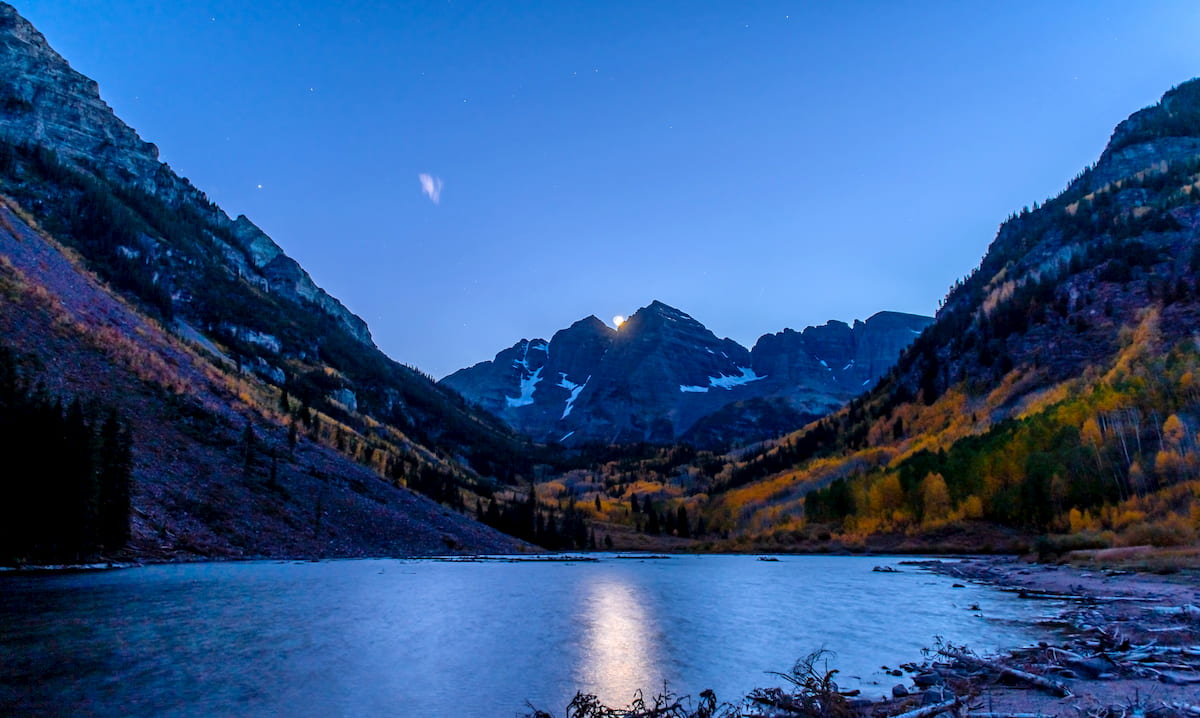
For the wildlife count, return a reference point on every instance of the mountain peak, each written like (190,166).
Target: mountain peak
(659,307)
(591,322)
(661,315)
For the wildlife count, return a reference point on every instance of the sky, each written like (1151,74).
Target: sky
(466,174)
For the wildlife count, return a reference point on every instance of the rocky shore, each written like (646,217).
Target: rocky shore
(1129,643)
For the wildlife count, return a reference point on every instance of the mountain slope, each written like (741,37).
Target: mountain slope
(200,488)
(206,327)
(1055,390)
(664,377)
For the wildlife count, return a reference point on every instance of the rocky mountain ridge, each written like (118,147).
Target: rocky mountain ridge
(46,103)
(662,373)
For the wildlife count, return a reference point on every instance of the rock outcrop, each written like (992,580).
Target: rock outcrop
(45,102)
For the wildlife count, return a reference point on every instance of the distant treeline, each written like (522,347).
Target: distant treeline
(65,481)
(539,524)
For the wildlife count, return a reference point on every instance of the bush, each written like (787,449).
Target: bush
(1052,546)
(1172,531)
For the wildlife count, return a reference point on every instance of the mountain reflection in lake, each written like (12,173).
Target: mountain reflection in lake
(431,638)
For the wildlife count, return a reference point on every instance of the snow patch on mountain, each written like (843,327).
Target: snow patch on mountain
(573,388)
(728,382)
(724,381)
(529,382)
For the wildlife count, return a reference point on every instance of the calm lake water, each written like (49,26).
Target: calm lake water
(433,638)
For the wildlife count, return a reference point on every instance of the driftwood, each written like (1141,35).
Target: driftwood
(1063,652)
(1177,678)
(1188,610)
(1006,715)
(1058,689)
(930,710)
(1046,595)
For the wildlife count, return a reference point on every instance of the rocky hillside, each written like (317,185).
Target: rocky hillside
(663,376)
(1055,392)
(126,289)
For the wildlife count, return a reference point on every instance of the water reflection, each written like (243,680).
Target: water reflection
(620,651)
(350,638)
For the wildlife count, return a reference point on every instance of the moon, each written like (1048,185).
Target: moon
(618,321)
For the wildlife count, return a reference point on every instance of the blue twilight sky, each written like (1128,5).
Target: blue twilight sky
(759,165)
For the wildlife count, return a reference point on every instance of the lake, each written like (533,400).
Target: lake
(443,638)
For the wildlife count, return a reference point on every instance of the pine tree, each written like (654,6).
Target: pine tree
(681,523)
(248,449)
(115,478)
(652,526)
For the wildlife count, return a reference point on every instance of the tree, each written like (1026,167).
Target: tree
(886,497)
(248,449)
(682,527)
(935,499)
(114,477)
(652,526)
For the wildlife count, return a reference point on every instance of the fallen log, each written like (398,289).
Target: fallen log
(930,710)
(1058,689)
(1177,678)
(1030,593)
(1187,610)
(1069,654)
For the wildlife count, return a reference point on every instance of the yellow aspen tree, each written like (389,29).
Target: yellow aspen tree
(1174,432)
(935,499)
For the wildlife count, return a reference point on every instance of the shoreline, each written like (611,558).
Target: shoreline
(1126,642)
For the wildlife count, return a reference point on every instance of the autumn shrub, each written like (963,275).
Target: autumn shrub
(1175,530)
(1052,546)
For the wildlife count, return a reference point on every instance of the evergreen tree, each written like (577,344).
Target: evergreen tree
(248,449)
(115,479)
(681,523)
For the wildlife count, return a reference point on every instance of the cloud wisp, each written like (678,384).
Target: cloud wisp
(431,187)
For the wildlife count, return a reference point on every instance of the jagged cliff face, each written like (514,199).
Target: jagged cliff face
(664,376)
(46,103)
(835,360)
